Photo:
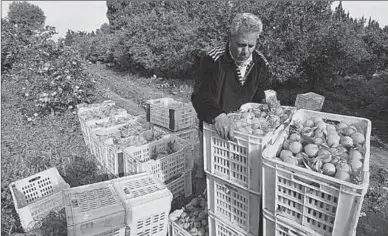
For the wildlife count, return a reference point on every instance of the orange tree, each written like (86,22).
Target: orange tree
(50,75)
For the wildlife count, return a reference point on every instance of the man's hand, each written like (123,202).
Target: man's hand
(224,126)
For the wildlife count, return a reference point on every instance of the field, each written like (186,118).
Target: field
(57,141)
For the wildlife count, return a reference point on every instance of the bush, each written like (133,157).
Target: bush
(51,76)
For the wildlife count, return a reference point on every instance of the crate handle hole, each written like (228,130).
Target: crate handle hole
(34,179)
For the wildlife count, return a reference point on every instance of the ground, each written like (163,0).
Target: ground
(27,148)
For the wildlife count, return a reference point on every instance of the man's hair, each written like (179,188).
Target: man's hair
(245,23)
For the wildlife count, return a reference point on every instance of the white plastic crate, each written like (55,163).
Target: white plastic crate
(34,197)
(309,101)
(182,186)
(234,205)
(176,230)
(122,231)
(138,159)
(190,135)
(93,209)
(315,201)
(218,227)
(279,226)
(95,114)
(147,202)
(170,114)
(238,161)
(97,146)
(109,154)
(104,123)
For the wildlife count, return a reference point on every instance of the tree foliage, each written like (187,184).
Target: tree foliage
(303,41)
(50,75)
(26,15)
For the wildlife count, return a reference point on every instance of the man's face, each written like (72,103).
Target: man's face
(242,46)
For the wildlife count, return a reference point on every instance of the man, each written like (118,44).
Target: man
(230,76)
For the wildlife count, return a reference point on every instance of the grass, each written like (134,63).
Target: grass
(28,148)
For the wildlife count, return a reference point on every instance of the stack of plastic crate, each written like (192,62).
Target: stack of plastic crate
(108,144)
(34,197)
(147,203)
(300,201)
(179,119)
(233,175)
(129,206)
(172,169)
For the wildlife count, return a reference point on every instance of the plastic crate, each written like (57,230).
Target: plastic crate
(279,226)
(122,231)
(234,205)
(170,114)
(238,161)
(147,202)
(34,197)
(138,159)
(97,147)
(315,201)
(176,230)
(309,101)
(115,121)
(182,186)
(99,115)
(190,135)
(93,209)
(218,227)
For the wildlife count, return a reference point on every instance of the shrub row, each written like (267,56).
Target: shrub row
(301,40)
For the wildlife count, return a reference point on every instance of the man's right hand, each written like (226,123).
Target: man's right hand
(224,126)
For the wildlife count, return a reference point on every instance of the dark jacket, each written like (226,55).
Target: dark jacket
(213,92)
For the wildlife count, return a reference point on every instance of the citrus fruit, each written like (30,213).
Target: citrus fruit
(341,125)
(358,138)
(356,165)
(286,144)
(311,150)
(295,147)
(355,155)
(285,153)
(348,131)
(309,123)
(342,175)
(346,141)
(318,141)
(295,137)
(328,169)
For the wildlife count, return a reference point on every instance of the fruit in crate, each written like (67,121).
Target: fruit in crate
(193,217)
(131,134)
(260,119)
(112,121)
(100,113)
(160,152)
(332,148)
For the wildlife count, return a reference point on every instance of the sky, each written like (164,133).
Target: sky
(64,15)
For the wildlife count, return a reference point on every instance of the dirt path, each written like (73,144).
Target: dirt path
(131,93)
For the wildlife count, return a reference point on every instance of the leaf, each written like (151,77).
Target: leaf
(306,139)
